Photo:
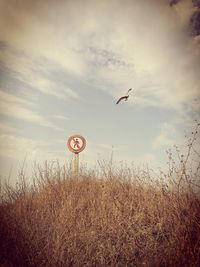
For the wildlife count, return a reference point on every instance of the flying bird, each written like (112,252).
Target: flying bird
(124,97)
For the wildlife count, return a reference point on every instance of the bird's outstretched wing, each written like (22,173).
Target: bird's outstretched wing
(129,91)
(122,98)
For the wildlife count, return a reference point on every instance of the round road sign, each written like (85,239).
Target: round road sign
(76,143)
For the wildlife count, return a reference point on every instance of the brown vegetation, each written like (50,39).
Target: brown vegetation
(118,218)
(88,221)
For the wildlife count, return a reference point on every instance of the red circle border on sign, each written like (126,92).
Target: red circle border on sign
(75,150)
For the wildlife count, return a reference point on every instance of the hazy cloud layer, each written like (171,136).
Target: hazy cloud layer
(15,107)
(145,46)
(58,61)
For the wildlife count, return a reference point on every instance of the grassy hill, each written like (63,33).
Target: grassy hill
(115,220)
(112,217)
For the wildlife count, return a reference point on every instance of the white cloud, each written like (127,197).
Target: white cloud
(14,106)
(166,137)
(35,73)
(61,117)
(174,133)
(17,151)
(5,127)
(38,32)
(146,46)
(53,88)
(17,147)
(18,108)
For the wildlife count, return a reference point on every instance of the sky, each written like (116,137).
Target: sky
(64,64)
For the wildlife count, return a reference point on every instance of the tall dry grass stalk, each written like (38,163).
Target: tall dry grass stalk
(114,217)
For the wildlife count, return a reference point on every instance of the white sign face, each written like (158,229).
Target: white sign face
(76,143)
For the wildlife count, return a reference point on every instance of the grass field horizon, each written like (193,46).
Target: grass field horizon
(114,216)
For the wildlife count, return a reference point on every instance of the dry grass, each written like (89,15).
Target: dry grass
(88,221)
(114,218)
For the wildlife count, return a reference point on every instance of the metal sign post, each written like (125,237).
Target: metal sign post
(76,143)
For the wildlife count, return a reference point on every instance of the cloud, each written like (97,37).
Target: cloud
(184,10)
(61,117)
(18,108)
(14,106)
(37,73)
(24,146)
(188,12)
(174,132)
(5,127)
(18,148)
(146,47)
(16,151)
(35,29)
(166,137)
